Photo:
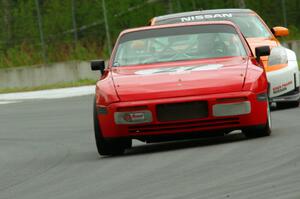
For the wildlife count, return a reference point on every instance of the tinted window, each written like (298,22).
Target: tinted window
(250,25)
(178,43)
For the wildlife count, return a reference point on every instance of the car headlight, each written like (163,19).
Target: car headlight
(231,109)
(278,56)
(133,117)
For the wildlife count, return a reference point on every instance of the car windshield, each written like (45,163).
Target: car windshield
(251,26)
(178,43)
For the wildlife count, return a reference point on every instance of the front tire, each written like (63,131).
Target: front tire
(284,105)
(260,131)
(108,146)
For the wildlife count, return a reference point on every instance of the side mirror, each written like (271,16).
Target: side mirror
(98,65)
(279,31)
(262,51)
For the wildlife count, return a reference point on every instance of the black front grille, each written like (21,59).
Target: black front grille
(182,111)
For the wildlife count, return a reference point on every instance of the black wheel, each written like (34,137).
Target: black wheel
(108,146)
(283,105)
(260,131)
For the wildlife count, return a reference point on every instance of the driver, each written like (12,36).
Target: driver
(138,46)
(217,45)
(206,45)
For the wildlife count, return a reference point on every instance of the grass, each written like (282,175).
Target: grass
(82,82)
(27,55)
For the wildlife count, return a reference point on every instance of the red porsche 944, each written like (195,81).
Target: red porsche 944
(179,81)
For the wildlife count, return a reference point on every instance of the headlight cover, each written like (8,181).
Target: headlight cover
(278,56)
(133,117)
(231,109)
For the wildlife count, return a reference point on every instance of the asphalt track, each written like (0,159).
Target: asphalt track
(47,151)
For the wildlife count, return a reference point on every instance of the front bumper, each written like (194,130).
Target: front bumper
(291,96)
(283,81)
(257,116)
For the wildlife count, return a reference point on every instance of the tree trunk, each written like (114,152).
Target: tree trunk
(7,19)
(241,3)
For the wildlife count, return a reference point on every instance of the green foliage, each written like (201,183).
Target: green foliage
(20,38)
(22,55)
(26,55)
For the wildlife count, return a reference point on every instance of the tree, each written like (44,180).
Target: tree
(7,16)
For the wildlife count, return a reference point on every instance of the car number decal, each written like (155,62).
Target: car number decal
(281,87)
(180,69)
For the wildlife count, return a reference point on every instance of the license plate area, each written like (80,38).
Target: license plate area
(182,111)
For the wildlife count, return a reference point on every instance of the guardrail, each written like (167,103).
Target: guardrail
(42,75)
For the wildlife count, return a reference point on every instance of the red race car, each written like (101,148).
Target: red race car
(180,81)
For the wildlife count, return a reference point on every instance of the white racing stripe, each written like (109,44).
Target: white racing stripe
(179,69)
(8,102)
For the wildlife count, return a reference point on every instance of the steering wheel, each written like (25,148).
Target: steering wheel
(220,48)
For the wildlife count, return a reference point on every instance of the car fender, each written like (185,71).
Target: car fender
(255,80)
(106,92)
(285,79)
(293,63)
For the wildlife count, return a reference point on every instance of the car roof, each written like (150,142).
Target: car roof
(229,23)
(202,12)
(181,25)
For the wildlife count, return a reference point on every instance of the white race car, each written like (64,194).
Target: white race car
(281,66)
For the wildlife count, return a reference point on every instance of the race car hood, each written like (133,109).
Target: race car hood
(178,79)
(260,41)
(256,42)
